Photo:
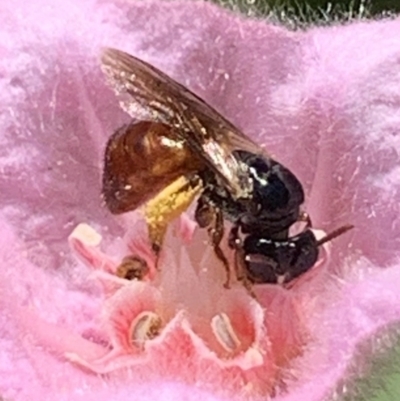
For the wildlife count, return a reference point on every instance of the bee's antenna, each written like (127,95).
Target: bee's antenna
(334,234)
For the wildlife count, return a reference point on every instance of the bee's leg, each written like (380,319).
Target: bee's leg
(167,206)
(217,233)
(211,217)
(235,243)
(234,240)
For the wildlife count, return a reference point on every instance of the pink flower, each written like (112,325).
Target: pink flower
(324,102)
(183,314)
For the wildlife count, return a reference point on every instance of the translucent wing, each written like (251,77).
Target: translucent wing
(149,94)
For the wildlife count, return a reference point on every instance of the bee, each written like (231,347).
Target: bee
(179,149)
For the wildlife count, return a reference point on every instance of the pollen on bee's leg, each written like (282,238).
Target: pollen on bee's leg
(224,332)
(146,326)
(168,205)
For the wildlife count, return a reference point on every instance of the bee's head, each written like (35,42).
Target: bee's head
(270,261)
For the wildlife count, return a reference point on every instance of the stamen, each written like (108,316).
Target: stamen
(132,268)
(86,234)
(145,327)
(223,331)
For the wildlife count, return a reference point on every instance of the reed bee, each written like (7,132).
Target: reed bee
(178,149)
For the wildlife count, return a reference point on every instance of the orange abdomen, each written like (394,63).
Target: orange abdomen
(141,159)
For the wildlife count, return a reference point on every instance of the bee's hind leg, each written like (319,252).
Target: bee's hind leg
(211,217)
(166,206)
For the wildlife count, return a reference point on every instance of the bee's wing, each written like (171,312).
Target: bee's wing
(149,94)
